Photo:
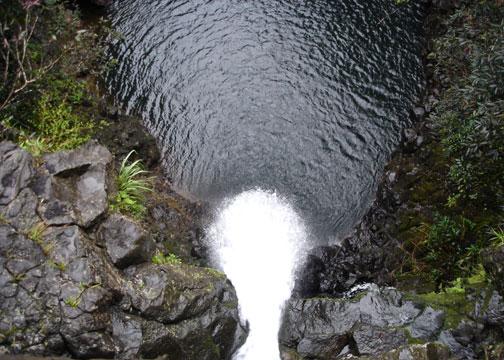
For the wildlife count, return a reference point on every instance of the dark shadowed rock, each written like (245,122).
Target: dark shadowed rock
(16,171)
(493,261)
(126,242)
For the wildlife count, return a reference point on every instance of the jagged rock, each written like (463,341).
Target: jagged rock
(493,261)
(76,191)
(126,242)
(89,154)
(323,327)
(428,325)
(21,213)
(16,171)
(61,293)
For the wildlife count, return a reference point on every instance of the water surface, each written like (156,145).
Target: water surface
(305,98)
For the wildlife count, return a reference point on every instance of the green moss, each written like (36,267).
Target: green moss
(230,305)
(455,305)
(412,340)
(215,273)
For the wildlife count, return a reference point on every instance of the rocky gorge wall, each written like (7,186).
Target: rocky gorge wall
(78,280)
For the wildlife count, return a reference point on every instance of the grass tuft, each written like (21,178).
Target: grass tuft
(132,187)
(161,259)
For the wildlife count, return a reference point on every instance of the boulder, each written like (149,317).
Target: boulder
(89,154)
(75,192)
(370,324)
(126,242)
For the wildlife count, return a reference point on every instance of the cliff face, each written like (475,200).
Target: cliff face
(77,280)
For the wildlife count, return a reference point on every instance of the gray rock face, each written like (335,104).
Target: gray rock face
(62,294)
(126,242)
(321,328)
(21,213)
(16,171)
(89,154)
(76,190)
(428,325)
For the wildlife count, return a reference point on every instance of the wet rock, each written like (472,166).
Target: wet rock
(323,327)
(493,261)
(61,293)
(192,303)
(374,340)
(16,171)
(428,325)
(126,242)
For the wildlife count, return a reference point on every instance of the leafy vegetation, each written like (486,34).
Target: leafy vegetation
(160,259)
(132,187)
(461,190)
(42,103)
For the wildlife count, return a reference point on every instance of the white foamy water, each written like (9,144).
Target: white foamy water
(258,240)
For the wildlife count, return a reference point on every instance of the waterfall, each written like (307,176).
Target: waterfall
(258,240)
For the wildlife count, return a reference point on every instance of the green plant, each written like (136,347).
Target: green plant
(160,259)
(73,301)
(131,188)
(35,234)
(57,265)
(497,236)
(34,145)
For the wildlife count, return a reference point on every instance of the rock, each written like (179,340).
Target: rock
(16,171)
(494,313)
(419,113)
(493,262)
(126,242)
(428,325)
(21,213)
(323,327)
(192,303)
(101,2)
(126,133)
(77,188)
(89,154)
(374,340)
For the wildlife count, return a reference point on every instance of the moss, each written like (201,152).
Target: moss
(215,273)
(232,305)
(412,340)
(453,300)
